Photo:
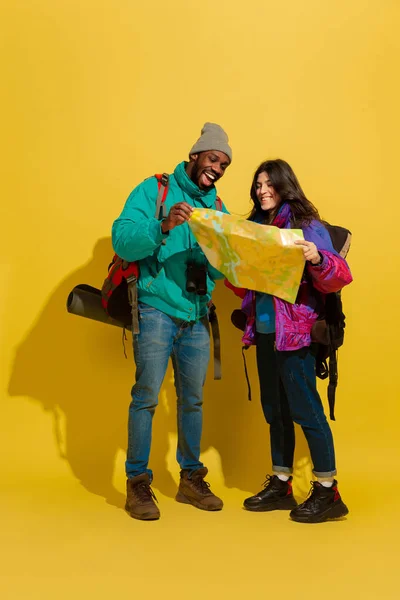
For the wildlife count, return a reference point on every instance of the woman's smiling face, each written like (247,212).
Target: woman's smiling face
(266,194)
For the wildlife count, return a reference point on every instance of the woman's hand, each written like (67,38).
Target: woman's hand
(310,252)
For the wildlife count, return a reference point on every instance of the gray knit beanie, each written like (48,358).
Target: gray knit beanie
(213,137)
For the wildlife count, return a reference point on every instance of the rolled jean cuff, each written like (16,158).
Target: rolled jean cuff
(322,474)
(285,470)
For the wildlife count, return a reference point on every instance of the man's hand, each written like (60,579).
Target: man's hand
(178,214)
(310,251)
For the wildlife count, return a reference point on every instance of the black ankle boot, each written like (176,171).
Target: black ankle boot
(276,495)
(323,504)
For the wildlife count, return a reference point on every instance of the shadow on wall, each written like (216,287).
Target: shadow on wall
(75,368)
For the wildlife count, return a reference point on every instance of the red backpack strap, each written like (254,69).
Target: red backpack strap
(218,204)
(162,181)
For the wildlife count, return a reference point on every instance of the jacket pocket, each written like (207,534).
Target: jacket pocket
(150,281)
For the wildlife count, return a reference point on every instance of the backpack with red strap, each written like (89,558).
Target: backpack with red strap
(119,291)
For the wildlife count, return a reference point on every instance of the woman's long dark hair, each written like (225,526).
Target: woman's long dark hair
(285,183)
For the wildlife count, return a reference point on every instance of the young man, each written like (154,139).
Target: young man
(174,288)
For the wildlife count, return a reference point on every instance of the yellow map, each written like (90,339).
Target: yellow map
(257,257)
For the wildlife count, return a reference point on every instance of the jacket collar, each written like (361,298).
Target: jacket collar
(207,197)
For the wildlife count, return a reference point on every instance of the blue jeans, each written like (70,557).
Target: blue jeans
(289,395)
(160,337)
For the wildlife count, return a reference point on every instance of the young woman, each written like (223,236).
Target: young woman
(285,359)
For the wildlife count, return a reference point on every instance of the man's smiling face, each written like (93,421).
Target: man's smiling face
(205,168)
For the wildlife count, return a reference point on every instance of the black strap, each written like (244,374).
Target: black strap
(213,319)
(322,369)
(333,379)
(246,373)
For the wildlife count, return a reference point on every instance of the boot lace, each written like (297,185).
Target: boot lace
(144,493)
(267,481)
(312,498)
(203,487)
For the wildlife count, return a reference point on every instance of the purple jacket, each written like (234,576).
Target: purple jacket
(293,322)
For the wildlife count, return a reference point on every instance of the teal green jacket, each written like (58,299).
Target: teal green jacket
(137,236)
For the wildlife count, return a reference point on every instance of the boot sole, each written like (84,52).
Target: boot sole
(143,516)
(331,514)
(184,500)
(281,505)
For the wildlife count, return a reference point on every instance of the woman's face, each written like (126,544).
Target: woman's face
(267,196)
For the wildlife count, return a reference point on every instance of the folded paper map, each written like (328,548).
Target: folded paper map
(258,257)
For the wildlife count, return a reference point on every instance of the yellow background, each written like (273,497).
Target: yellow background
(95,97)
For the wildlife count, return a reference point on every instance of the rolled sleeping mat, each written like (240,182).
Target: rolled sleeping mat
(85,301)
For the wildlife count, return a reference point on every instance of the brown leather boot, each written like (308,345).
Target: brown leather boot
(194,490)
(140,499)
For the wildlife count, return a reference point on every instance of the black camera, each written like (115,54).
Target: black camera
(196,279)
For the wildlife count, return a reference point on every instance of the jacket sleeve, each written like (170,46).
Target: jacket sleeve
(136,233)
(333,273)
